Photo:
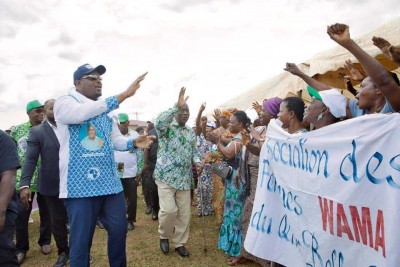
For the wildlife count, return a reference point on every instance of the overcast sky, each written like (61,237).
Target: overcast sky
(217,49)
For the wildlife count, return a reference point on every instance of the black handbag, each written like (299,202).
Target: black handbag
(222,169)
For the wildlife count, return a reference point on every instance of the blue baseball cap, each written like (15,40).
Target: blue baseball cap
(87,69)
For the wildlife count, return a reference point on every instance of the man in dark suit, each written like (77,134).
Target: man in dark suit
(20,133)
(43,142)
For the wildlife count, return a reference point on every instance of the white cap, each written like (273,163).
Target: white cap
(210,123)
(335,101)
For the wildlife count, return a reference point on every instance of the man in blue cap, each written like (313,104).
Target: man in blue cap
(20,134)
(89,182)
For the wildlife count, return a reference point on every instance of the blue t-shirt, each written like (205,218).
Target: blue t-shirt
(355,110)
(387,108)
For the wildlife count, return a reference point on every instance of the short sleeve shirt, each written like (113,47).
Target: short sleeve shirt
(8,153)
(387,108)
(355,110)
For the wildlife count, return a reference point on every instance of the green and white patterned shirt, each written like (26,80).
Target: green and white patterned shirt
(20,134)
(177,151)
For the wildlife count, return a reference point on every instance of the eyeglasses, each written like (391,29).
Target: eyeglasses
(92,77)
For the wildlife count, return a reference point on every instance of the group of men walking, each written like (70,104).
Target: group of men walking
(80,160)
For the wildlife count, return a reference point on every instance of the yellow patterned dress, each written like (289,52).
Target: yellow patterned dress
(218,195)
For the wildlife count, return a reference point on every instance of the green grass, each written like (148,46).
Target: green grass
(142,244)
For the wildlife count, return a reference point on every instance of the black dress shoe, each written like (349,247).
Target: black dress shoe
(182,251)
(131,226)
(62,260)
(154,216)
(100,224)
(148,210)
(21,257)
(164,245)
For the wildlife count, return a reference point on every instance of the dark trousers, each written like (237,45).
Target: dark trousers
(21,224)
(146,191)
(58,217)
(8,257)
(130,193)
(83,214)
(152,190)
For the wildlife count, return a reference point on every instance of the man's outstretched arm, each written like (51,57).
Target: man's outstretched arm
(293,69)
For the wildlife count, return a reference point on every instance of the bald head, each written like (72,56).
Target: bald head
(49,103)
(48,110)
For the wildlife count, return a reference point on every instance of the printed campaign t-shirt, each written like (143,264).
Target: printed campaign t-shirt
(88,136)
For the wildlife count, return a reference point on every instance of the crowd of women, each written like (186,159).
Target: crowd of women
(231,137)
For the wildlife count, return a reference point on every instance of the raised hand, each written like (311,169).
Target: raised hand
(257,107)
(202,107)
(182,99)
(213,137)
(217,114)
(395,54)
(135,85)
(380,43)
(347,83)
(339,33)
(355,74)
(144,141)
(131,90)
(293,69)
(387,49)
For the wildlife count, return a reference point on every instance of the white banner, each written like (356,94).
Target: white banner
(330,197)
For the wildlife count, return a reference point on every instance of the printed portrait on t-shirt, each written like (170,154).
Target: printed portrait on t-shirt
(90,139)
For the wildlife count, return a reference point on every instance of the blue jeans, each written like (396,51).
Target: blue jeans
(83,214)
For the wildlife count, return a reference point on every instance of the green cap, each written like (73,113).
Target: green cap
(33,104)
(313,93)
(123,117)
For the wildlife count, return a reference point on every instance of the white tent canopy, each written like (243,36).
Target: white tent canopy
(323,66)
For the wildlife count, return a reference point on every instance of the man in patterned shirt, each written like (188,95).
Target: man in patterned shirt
(20,134)
(173,173)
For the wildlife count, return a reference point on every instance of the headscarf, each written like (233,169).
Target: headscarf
(272,106)
(227,113)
